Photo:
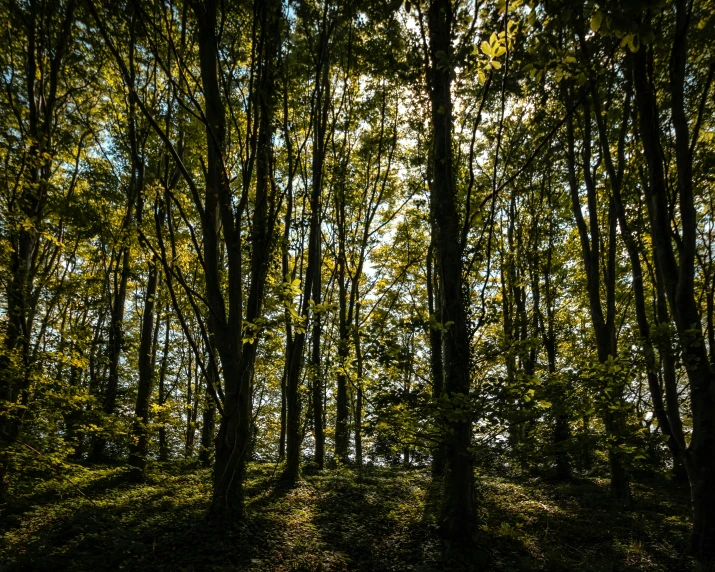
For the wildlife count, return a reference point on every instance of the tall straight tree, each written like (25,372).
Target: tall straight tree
(458,506)
(319,108)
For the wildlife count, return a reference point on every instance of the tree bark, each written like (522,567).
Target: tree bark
(163,445)
(434,306)
(138,448)
(458,506)
(311,293)
(678,275)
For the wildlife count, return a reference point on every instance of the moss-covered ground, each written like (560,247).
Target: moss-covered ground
(100,518)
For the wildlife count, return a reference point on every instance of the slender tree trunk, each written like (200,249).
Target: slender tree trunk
(284,403)
(342,435)
(208,428)
(317,387)
(138,448)
(189,432)
(293,429)
(311,293)
(123,260)
(163,445)
(434,305)
(562,429)
(613,409)
(322,102)
(359,397)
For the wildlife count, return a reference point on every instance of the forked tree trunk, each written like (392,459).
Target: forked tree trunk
(613,407)
(678,274)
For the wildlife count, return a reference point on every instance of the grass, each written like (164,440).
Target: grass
(335,521)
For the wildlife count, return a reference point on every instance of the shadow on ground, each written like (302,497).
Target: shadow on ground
(384,519)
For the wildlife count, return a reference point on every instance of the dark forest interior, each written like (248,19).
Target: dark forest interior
(340,285)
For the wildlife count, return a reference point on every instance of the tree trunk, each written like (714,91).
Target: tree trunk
(434,306)
(311,292)
(227,328)
(189,432)
(359,396)
(613,410)
(458,506)
(138,448)
(678,275)
(163,445)
(208,428)
(123,260)
(562,428)
(342,435)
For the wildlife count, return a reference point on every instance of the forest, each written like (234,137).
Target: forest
(330,285)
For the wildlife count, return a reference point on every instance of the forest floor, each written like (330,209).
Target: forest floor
(334,521)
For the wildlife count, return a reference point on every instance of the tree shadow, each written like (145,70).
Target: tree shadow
(333,521)
(576,525)
(159,524)
(383,521)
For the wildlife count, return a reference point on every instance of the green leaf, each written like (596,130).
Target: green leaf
(596,21)
(633,44)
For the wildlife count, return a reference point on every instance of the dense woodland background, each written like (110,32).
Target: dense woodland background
(281,277)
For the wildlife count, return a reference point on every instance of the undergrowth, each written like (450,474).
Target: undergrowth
(383,519)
